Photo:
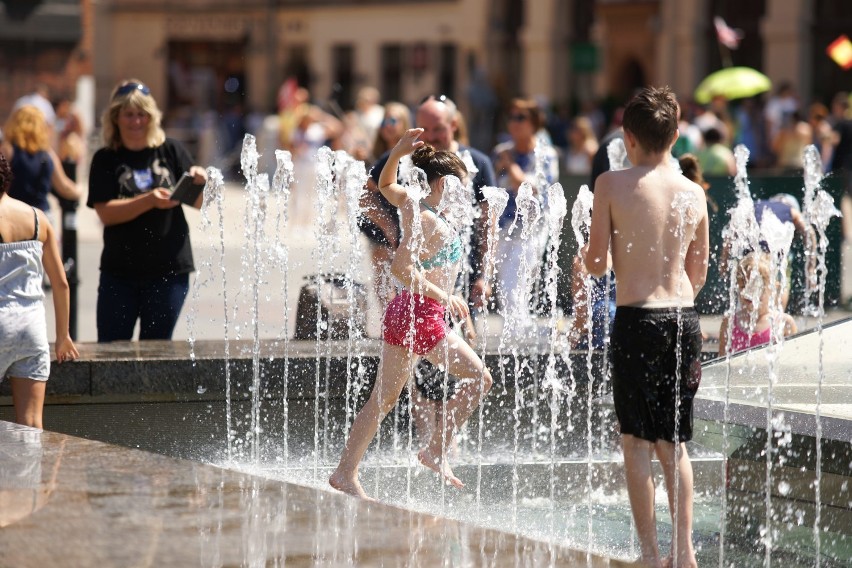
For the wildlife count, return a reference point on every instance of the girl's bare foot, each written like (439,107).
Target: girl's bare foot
(687,561)
(347,484)
(439,466)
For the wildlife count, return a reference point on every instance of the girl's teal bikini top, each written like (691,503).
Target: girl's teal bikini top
(449,254)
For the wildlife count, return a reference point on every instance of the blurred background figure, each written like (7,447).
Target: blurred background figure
(582,146)
(303,128)
(715,157)
(147,253)
(514,164)
(789,144)
(36,167)
(71,143)
(823,137)
(782,102)
(39,98)
(379,218)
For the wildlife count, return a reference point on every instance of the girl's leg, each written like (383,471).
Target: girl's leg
(28,398)
(396,367)
(465,364)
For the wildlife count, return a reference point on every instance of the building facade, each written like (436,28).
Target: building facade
(199,55)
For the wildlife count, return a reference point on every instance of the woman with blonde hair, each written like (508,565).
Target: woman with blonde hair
(396,121)
(147,255)
(35,165)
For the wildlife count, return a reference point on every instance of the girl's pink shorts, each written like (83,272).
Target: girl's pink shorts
(429,326)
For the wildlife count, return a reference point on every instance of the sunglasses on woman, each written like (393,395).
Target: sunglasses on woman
(128,88)
(389,121)
(518,117)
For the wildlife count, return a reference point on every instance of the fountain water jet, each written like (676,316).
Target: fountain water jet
(555,482)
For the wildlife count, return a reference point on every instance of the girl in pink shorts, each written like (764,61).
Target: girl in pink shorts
(414,322)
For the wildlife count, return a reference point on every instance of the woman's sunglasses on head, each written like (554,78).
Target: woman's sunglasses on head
(128,88)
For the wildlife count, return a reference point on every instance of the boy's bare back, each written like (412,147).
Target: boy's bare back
(644,234)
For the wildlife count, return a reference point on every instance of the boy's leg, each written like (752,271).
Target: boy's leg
(640,490)
(396,367)
(666,454)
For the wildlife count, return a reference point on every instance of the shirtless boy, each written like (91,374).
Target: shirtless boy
(659,255)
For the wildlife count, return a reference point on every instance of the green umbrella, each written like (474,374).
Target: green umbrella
(732,83)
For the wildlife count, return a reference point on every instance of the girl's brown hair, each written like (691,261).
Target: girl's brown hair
(438,163)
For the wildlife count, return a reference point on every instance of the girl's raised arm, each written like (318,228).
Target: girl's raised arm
(388,185)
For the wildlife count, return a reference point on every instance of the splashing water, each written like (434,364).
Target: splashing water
(455,204)
(741,155)
(581,215)
(345,177)
(818,209)
(687,208)
(617,154)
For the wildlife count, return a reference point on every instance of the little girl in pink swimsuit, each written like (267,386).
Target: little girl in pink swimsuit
(414,323)
(753,274)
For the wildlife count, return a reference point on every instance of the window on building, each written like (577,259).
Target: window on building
(297,65)
(391,62)
(447,70)
(342,60)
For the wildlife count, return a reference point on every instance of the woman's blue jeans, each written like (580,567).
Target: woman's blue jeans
(155,302)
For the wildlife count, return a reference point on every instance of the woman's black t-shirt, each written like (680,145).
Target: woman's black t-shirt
(155,243)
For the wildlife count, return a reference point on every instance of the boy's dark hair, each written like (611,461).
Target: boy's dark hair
(651,116)
(5,174)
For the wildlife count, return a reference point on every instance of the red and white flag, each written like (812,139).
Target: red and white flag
(727,36)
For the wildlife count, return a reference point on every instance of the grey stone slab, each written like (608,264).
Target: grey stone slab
(75,502)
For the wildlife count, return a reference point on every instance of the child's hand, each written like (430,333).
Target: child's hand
(66,350)
(409,142)
(457,307)
(469,331)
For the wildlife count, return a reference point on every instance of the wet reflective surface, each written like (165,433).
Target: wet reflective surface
(66,501)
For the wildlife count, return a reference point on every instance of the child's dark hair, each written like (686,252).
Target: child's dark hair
(691,168)
(651,116)
(5,175)
(438,163)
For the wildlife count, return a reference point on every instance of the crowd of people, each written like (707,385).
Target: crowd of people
(147,257)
